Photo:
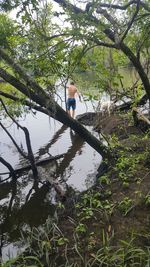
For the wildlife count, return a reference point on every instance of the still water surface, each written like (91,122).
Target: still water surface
(77,169)
(48,135)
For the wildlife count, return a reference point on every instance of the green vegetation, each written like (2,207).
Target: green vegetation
(109,224)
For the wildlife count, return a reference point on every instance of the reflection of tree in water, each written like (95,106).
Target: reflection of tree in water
(55,138)
(36,210)
(6,211)
(18,212)
(77,144)
(27,205)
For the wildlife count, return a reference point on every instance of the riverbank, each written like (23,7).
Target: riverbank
(107,225)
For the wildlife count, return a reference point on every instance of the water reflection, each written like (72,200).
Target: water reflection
(21,206)
(77,144)
(55,138)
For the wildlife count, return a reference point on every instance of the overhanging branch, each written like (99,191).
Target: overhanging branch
(123,7)
(26,102)
(131,21)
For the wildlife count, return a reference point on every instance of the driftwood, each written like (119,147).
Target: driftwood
(140,120)
(61,190)
(38,163)
(126,106)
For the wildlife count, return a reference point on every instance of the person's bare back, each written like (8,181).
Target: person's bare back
(71,101)
(72,90)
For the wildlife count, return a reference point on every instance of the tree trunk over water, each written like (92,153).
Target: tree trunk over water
(38,95)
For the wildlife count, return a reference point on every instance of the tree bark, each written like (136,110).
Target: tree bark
(136,63)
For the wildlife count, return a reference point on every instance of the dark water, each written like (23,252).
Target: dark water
(21,207)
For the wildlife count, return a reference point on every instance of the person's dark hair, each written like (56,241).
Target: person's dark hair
(72,83)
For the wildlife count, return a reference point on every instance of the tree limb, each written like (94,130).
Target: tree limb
(28,142)
(14,142)
(123,7)
(9,167)
(131,21)
(26,102)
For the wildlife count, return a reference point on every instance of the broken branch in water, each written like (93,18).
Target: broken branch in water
(38,163)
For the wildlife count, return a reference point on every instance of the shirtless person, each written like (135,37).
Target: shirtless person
(71,101)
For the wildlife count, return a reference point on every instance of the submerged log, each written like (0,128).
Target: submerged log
(140,120)
(38,163)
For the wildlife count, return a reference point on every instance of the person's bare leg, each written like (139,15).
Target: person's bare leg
(68,111)
(73,113)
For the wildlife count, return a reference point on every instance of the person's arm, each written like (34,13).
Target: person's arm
(79,95)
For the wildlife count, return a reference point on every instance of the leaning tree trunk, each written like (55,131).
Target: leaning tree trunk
(38,95)
(136,63)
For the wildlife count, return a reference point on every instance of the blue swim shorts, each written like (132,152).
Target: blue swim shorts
(71,103)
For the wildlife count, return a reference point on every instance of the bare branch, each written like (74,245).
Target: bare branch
(140,44)
(28,142)
(20,71)
(26,102)
(113,22)
(49,38)
(14,142)
(9,167)
(131,21)
(123,7)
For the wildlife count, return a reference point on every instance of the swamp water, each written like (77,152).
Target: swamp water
(21,207)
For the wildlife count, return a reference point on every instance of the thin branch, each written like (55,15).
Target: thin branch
(26,102)
(9,167)
(123,7)
(40,99)
(100,43)
(49,38)
(131,21)
(20,71)
(14,142)
(28,142)
(140,44)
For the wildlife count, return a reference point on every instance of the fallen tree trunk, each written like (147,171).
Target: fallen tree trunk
(38,95)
